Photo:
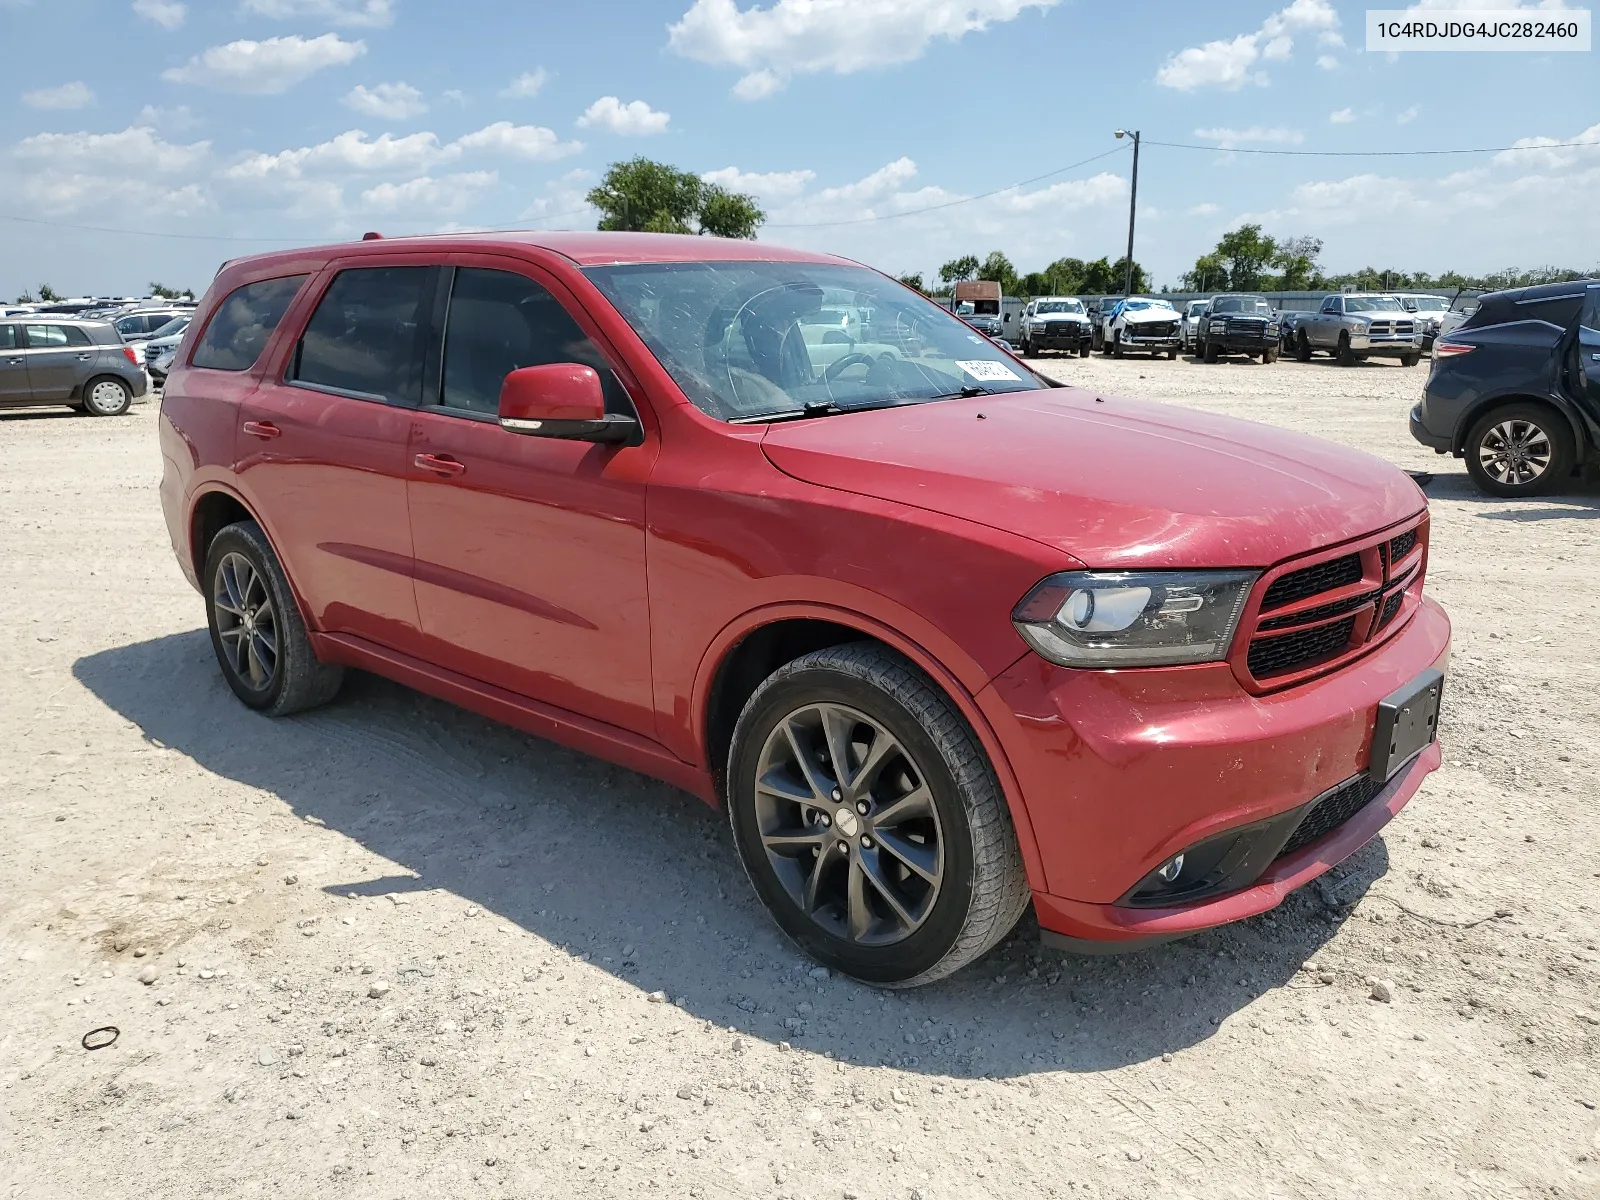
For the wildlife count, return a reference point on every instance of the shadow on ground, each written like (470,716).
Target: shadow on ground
(1576,499)
(598,860)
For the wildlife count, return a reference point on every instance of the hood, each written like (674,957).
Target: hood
(1142,316)
(1111,482)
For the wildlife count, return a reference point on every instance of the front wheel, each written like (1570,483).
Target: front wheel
(1346,356)
(1027,349)
(1410,360)
(1116,344)
(869,819)
(1519,450)
(1270,356)
(1208,352)
(1172,354)
(107,397)
(1302,347)
(1083,349)
(256,629)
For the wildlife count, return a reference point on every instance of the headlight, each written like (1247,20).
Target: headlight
(1218,326)
(1133,618)
(1361,324)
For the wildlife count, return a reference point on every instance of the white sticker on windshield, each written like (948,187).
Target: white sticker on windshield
(987,369)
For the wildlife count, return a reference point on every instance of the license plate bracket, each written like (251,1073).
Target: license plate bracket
(1408,723)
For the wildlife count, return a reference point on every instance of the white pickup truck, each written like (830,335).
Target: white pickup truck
(1359,325)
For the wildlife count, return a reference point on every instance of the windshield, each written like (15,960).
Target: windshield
(175,326)
(1242,304)
(1059,306)
(1372,304)
(1140,305)
(1196,307)
(746,339)
(1431,303)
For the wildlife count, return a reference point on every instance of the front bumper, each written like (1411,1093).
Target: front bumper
(1120,770)
(1133,340)
(1071,339)
(1243,343)
(1385,347)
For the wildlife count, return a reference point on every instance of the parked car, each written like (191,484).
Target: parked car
(76,364)
(156,354)
(1289,326)
(138,326)
(1142,323)
(1055,323)
(1515,390)
(1356,326)
(158,363)
(169,335)
(1429,311)
(1238,324)
(1099,317)
(911,618)
(1186,329)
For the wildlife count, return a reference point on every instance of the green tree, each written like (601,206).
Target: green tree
(25,298)
(997,267)
(1065,277)
(1248,252)
(1209,274)
(1034,283)
(1098,279)
(165,293)
(1297,258)
(959,269)
(914,282)
(646,196)
(1119,272)
(48,294)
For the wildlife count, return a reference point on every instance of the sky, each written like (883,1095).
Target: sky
(150,140)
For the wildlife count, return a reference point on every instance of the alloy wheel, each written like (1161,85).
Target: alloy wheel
(1515,452)
(247,623)
(849,825)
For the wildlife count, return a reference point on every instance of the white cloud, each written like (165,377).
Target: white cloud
(367,14)
(175,119)
(803,37)
(1531,155)
(451,194)
(136,147)
(1327,62)
(1408,116)
(527,85)
(266,68)
(773,187)
(633,119)
(1342,116)
(169,14)
(454,95)
(1206,209)
(69,95)
(1231,63)
(1228,139)
(353,150)
(387,101)
(533,142)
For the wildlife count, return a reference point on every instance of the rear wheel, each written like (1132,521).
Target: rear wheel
(1520,450)
(869,819)
(107,397)
(256,629)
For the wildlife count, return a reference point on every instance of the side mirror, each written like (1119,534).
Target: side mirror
(561,400)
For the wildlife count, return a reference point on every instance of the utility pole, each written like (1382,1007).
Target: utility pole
(1133,199)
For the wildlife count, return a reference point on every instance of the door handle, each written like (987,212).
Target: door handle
(440,465)
(85,357)
(13,362)
(265,430)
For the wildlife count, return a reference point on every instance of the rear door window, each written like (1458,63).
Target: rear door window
(1558,310)
(8,337)
(1590,318)
(500,322)
(366,337)
(239,330)
(76,336)
(46,337)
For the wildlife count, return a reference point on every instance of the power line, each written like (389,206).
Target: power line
(911,212)
(1364,153)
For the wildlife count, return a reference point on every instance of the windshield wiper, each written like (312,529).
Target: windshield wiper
(966,393)
(817,408)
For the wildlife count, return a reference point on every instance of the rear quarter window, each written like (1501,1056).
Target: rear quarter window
(243,323)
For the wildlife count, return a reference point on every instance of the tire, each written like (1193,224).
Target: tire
(106,396)
(1028,350)
(1208,352)
(1345,355)
(1116,344)
(937,928)
(1302,347)
(1548,450)
(1270,356)
(1083,349)
(294,680)
(1410,360)
(1172,354)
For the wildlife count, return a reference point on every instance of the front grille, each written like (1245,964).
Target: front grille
(1402,545)
(1391,606)
(1332,811)
(1296,651)
(1308,581)
(1254,327)
(1154,329)
(1311,616)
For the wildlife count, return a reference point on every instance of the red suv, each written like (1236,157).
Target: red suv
(944,637)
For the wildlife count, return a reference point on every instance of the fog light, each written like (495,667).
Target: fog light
(1171,869)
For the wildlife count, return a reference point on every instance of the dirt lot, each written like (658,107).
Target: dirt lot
(400,951)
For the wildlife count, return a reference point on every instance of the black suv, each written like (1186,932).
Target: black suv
(1237,324)
(1516,388)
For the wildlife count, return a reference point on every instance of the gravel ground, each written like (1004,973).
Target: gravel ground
(390,949)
